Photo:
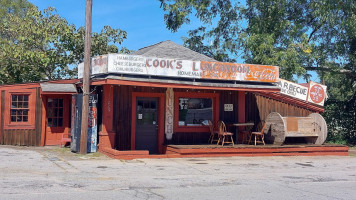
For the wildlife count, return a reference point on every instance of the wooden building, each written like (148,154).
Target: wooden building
(35,114)
(148,100)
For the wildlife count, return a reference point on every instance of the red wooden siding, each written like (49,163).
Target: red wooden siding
(122,96)
(30,133)
(201,137)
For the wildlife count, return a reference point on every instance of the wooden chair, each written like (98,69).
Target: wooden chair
(246,134)
(66,137)
(223,134)
(214,134)
(259,136)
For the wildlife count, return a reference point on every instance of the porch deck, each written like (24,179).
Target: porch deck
(182,151)
(260,150)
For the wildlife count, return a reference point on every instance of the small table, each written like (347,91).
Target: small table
(240,125)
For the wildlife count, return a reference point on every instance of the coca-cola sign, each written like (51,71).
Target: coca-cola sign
(317,93)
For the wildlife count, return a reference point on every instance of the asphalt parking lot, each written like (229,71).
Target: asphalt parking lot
(54,173)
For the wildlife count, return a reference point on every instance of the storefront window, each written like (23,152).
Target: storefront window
(19,108)
(195,111)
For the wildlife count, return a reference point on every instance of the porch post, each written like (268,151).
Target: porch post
(241,111)
(107,135)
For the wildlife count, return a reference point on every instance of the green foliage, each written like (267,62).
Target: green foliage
(40,45)
(296,35)
(14,7)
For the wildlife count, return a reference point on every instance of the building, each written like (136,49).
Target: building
(159,95)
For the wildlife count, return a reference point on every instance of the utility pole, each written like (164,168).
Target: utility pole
(86,78)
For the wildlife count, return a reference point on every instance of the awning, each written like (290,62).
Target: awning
(53,88)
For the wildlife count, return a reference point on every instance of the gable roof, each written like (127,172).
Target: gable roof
(169,49)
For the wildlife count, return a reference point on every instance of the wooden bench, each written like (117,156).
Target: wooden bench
(278,128)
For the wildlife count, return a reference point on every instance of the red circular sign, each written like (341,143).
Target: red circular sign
(317,94)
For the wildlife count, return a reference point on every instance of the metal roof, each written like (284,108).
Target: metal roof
(58,87)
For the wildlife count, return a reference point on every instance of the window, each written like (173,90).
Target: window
(55,112)
(192,110)
(195,111)
(19,108)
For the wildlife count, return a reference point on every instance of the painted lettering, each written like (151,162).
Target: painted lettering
(179,64)
(148,62)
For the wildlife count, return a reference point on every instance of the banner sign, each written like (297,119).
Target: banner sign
(315,93)
(293,89)
(152,66)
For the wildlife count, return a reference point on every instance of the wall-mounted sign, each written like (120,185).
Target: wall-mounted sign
(99,65)
(315,93)
(293,89)
(228,107)
(134,64)
(169,113)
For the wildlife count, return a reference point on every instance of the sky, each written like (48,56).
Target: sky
(143,20)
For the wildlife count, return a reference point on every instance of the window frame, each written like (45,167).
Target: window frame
(30,124)
(22,108)
(215,114)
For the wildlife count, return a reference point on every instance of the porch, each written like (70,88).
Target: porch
(213,150)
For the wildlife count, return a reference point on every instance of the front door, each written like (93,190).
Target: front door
(146,124)
(57,119)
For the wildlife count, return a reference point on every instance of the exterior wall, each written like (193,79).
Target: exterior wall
(24,133)
(201,137)
(106,128)
(122,112)
(258,107)
(31,133)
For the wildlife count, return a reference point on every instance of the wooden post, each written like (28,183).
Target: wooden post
(241,113)
(86,78)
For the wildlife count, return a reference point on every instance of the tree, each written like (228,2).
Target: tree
(15,7)
(40,45)
(299,36)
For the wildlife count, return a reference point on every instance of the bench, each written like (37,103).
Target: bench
(312,127)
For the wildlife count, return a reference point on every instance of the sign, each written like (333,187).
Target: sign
(293,89)
(317,93)
(169,113)
(228,107)
(153,66)
(241,72)
(99,65)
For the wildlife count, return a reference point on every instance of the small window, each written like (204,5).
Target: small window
(19,108)
(195,111)
(55,112)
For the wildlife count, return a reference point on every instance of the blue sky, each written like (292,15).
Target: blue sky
(143,20)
